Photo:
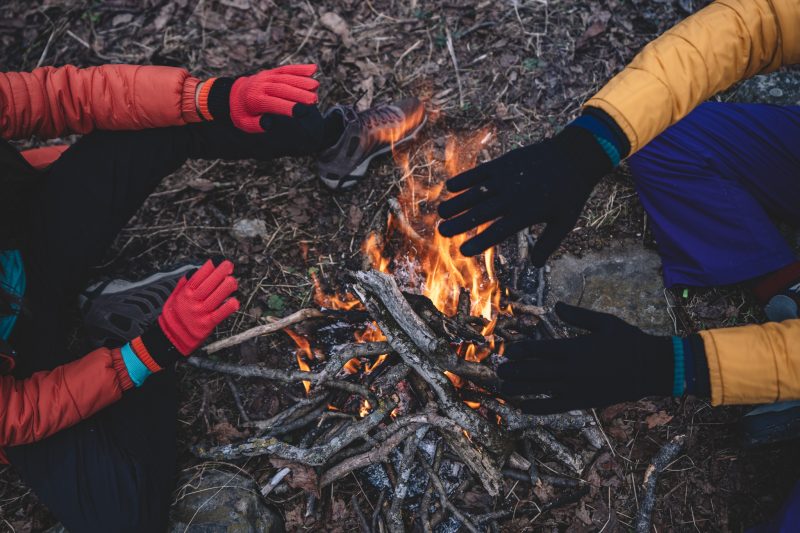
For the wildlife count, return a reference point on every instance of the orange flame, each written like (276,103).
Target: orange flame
(378,362)
(352,366)
(333,301)
(364,409)
(303,349)
(472,405)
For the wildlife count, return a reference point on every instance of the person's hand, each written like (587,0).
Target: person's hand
(198,305)
(615,362)
(245,100)
(549,181)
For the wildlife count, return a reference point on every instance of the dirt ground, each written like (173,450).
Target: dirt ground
(524,68)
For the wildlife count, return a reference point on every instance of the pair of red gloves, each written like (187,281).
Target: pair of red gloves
(245,100)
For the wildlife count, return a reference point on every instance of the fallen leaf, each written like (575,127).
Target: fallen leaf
(226,433)
(598,24)
(302,476)
(338,26)
(202,184)
(658,419)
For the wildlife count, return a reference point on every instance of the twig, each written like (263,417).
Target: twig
(443,499)
(314,456)
(452,51)
(237,398)
(372,456)
(275,481)
(272,327)
(663,458)
(560,452)
(394,515)
(362,520)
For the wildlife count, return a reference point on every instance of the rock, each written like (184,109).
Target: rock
(778,88)
(216,500)
(249,228)
(624,280)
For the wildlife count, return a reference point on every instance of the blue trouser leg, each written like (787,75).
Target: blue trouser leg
(710,184)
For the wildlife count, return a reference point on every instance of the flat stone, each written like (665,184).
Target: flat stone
(624,280)
(247,228)
(777,88)
(221,501)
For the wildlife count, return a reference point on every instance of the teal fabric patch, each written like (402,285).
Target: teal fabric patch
(136,369)
(12,281)
(679,375)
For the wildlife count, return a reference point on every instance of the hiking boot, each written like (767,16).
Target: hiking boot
(768,424)
(116,311)
(368,134)
(784,306)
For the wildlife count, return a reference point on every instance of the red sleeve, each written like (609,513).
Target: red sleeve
(49,401)
(50,102)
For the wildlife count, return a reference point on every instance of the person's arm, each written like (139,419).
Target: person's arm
(50,102)
(50,401)
(754,364)
(726,42)
(617,362)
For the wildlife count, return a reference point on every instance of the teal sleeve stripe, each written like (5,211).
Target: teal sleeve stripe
(609,148)
(679,375)
(136,369)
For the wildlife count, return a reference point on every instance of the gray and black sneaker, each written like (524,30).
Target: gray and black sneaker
(117,311)
(368,134)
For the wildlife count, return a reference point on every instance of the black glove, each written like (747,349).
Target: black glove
(549,181)
(616,362)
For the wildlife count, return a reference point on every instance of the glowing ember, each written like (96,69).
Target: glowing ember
(333,301)
(457,381)
(352,366)
(364,409)
(472,405)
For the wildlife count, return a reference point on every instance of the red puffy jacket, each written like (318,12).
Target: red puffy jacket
(47,103)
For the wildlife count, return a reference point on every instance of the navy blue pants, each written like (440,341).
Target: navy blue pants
(713,183)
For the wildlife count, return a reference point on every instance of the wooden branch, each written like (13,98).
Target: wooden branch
(560,452)
(443,498)
(401,341)
(272,327)
(394,515)
(663,458)
(373,455)
(314,456)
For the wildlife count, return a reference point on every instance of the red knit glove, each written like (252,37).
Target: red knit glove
(271,92)
(198,305)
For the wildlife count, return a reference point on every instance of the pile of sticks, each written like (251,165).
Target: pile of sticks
(409,398)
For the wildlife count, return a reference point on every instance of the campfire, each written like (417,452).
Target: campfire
(398,367)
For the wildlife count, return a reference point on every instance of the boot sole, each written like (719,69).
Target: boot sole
(358,172)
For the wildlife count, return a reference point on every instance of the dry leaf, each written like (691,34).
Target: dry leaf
(302,476)
(226,433)
(658,419)
(202,184)
(337,25)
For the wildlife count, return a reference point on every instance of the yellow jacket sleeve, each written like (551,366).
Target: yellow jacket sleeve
(754,364)
(728,41)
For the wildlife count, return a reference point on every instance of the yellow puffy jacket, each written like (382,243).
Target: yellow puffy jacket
(726,42)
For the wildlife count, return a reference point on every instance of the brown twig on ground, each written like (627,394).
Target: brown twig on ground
(362,520)
(663,458)
(550,444)
(272,327)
